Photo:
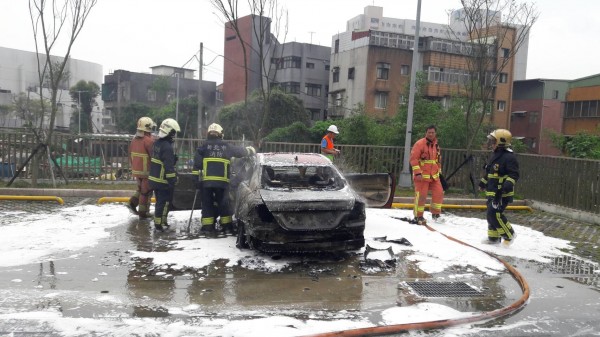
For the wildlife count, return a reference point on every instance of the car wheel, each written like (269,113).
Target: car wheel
(240,242)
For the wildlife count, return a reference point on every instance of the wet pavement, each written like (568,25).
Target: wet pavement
(105,281)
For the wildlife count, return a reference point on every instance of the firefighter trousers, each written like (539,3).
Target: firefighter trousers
(437,196)
(215,202)
(498,226)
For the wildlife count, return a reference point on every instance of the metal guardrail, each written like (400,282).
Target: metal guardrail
(568,182)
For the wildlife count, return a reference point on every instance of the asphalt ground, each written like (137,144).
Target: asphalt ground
(564,299)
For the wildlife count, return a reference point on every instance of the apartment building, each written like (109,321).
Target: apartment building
(301,69)
(538,108)
(371,65)
(19,75)
(582,106)
(123,88)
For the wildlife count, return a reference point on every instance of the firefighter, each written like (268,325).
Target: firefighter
(162,171)
(501,175)
(426,164)
(140,150)
(212,166)
(327,148)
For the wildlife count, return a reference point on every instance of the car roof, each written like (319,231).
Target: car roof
(293,159)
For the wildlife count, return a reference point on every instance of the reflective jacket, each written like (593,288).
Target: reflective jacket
(162,164)
(501,174)
(327,143)
(426,159)
(212,162)
(140,149)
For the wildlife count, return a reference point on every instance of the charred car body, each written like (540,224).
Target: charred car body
(296,202)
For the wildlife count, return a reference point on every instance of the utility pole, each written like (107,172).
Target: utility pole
(200,107)
(79,109)
(405,177)
(177,101)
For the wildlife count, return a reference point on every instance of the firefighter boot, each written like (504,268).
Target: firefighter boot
(208,230)
(421,221)
(438,218)
(227,228)
(132,205)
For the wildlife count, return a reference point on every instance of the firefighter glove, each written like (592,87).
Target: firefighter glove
(497,202)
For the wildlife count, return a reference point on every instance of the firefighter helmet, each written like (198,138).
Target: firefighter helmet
(146,124)
(168,127)
(502,137)
(333,128)
(215,129)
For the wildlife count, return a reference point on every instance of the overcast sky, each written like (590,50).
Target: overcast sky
(138,34)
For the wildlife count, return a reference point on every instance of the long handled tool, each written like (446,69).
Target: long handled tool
(192,212)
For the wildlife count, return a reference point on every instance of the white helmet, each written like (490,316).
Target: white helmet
(215,129)
(167,127)
(145,124)
(333,128)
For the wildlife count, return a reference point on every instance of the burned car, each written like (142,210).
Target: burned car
(296,202)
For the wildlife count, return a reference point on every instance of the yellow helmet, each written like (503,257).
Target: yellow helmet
(146,124)
(216,129)
(167,127)
(503,137)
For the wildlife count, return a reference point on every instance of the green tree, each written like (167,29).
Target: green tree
(84,93)
(240,119)
(582,145)
(130,114)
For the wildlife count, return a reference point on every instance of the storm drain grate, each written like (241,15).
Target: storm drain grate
(444,289)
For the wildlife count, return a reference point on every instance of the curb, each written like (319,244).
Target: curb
(60,192)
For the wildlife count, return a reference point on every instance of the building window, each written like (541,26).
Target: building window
(151,95)
(554,94)
(404,69)
(336,46)
(501,105)
(338,99)
(381,100)
(503,78)
(351,73)
(505,52)
(383,71)
(310,65)
(336,74)
(327,67)
(311,89)
(288,62)
(533,117)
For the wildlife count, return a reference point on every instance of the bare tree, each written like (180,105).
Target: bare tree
(271,22)
(497,29)
(53,21)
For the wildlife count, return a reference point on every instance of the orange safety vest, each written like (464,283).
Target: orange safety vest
(328,145)
(140,149)
(425,158)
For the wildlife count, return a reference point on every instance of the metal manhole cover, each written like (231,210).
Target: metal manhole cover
(444,289)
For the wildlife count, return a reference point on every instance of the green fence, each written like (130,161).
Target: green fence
(568,182)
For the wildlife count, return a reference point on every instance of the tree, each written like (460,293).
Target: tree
(49,20)
(581,145)
(269,24)
(497,30)
(84,93)
(240,119)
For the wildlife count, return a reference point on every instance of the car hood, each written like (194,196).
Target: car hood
(278,200)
